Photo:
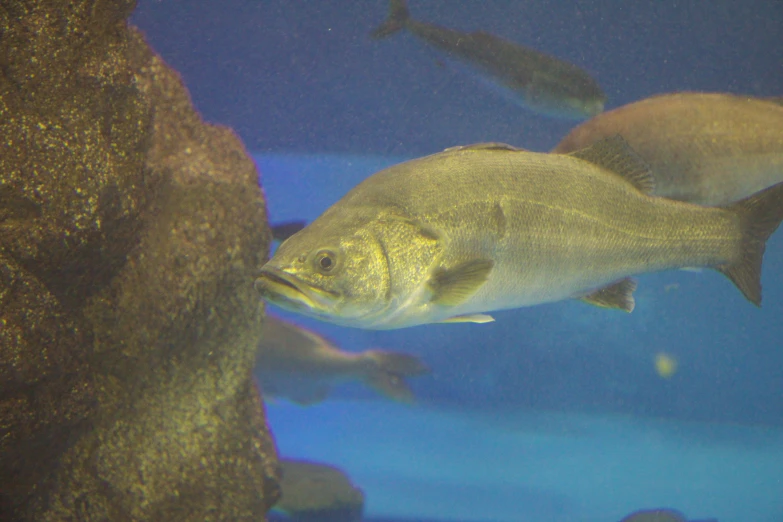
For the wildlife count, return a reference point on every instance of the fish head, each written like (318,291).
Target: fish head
(565,101)
(334,273)
(349,268)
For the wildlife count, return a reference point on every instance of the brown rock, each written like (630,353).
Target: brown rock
(130,233)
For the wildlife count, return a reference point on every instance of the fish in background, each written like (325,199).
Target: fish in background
(302,366)
(661,515)
(315,492)
(706,148)
(448,237)
(537,81)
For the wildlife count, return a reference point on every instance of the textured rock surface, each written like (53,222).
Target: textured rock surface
(130,232)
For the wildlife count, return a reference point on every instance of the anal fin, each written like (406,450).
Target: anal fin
(617,295)
(469,318)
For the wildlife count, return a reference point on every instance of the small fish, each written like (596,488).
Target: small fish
(660,515)
(286,229)
(451,236)
(705,148)
(300,365)
(314,492)
(535,80)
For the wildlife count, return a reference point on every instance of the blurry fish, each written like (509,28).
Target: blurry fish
(302,366)
(660,515)
(665,365)
(706,148)
(286,229)
(312,492)
(489,227)
(537,81)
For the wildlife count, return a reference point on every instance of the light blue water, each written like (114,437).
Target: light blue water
(510,466)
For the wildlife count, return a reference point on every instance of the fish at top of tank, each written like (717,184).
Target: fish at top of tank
(535,80)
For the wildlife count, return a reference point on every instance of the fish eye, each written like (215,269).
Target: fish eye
(325,261)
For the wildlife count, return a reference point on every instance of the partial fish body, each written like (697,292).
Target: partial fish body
(314,492)
(487,227)
(538,81)
(706,148)
(660,515)
(302,366)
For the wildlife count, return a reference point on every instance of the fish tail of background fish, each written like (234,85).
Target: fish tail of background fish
(760,215)
(398,17)
(387,371)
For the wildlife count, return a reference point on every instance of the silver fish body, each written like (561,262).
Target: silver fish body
(473,229)
(705,148)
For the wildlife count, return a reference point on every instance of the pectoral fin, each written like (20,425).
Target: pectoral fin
(454,286)
(470,318)
(617,295)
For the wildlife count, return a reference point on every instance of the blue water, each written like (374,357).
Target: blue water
(552,413)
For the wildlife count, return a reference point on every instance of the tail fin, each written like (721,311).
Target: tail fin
(388,371)
(760,215)
(398,17)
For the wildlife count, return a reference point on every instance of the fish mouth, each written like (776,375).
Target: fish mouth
(289,292)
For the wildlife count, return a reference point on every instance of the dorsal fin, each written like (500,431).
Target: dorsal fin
(470,318)
(614,154)
(484,146)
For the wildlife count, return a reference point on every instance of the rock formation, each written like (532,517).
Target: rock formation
(130,233)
